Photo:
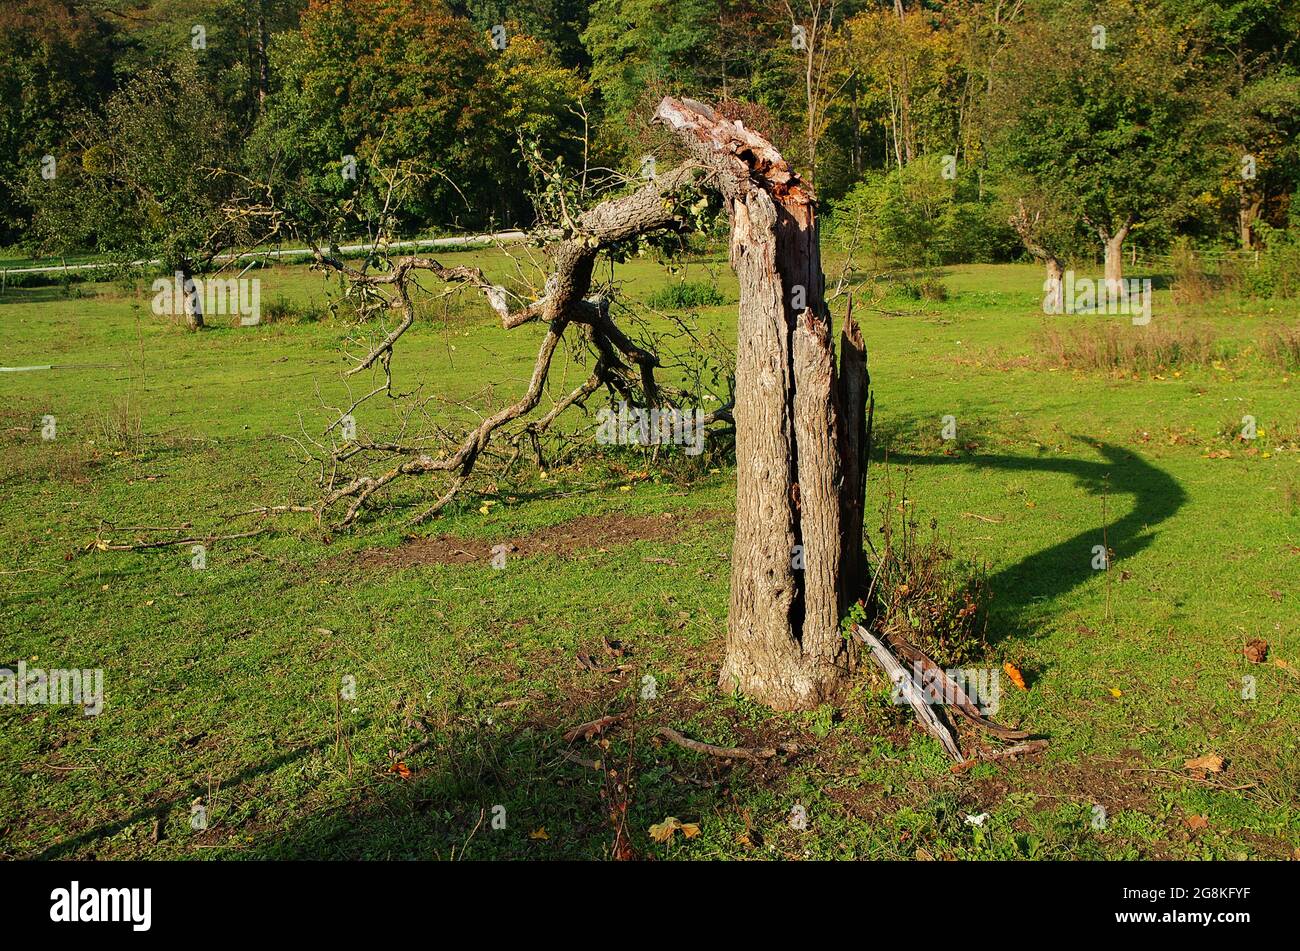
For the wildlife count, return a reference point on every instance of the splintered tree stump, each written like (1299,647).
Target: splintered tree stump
(796,563)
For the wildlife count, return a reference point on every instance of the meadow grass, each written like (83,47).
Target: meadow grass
(223,685)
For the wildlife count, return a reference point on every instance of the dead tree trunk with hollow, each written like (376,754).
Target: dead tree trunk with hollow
(797,561)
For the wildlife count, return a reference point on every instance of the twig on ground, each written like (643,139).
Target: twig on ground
(586,662)
(983,518)
(1020,749)
(593,727)
(581,761)
(104,545)
(727,752)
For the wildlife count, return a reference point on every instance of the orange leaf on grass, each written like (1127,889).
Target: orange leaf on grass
(1016,676)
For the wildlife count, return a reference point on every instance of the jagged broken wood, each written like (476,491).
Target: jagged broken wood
(942,692)
(796,559)
(911,692)
(954,694)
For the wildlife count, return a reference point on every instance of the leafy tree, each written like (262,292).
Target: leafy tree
(908,73)
(155,176)
(1107,103)
(428,111)
(720,49)
(915,216)
(55,60)
(1251,48)
(557,24)
(228,39)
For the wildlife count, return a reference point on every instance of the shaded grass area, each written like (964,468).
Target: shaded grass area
(223,686)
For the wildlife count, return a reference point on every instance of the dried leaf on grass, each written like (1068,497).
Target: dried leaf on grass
(1210,763)
(664,831)
(1256,651)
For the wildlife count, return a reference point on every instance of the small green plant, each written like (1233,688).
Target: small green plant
(926,288)
(922,593)
(822,721)
(1277,274)
(285,311)
(687,295)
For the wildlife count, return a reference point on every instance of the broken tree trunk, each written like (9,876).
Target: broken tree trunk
(800,448)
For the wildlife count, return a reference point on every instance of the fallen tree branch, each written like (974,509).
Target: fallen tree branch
(592,728)
(102,544)
(951,693)
(655,206)
(1011,752)
(726,752)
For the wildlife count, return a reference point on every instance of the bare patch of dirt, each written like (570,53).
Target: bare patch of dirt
(1113,782)
(581,534)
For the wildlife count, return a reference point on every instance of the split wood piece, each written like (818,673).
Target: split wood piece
(592,728)
(954,696)
(1011,752)
(912,692)
(757,754)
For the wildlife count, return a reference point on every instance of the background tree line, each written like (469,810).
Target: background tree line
(934,131)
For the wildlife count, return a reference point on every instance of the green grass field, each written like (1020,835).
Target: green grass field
(222,686)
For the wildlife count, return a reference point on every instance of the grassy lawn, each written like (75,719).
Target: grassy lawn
(222,686)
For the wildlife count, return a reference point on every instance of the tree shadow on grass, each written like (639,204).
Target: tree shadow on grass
(168,805)
(487,792)
(1047,574)
(553,807)
(510,793)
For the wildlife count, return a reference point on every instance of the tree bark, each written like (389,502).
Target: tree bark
(1114,245)
(1247,213)
(790,583)
(1028,229)
(1055,286)
(192,298)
